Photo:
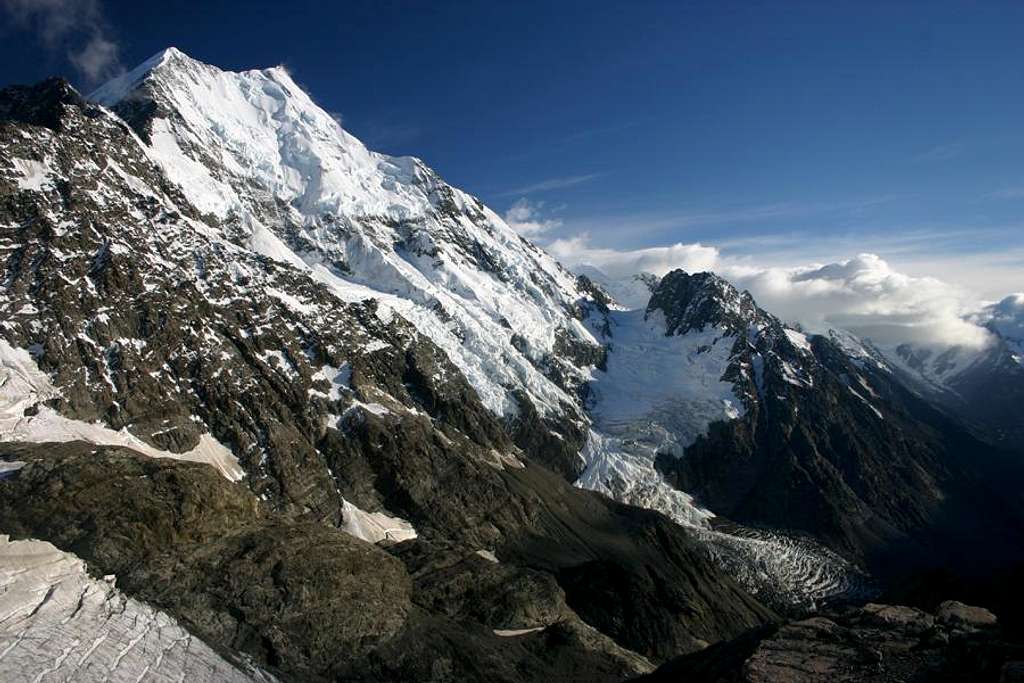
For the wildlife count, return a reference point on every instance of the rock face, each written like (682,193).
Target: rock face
(181,537)
(882,643)
(305,601)
(956,614)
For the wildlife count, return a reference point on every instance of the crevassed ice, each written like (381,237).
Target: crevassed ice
(58,623)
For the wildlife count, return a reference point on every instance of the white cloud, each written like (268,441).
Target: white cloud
(97,59)
(1006,317)
(76,27)
(577,251)
(1008,193)
(552,184)
(942,152)
(868,297)
(524,217)
(864,294)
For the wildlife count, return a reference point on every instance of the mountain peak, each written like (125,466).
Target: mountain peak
(116,89)
(691,302)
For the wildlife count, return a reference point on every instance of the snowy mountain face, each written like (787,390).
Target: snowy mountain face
(129,321)
(252,150)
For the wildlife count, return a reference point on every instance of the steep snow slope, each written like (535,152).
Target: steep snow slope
(251,147)
(656,395)
(59,624)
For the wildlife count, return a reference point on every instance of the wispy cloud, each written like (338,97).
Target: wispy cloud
(638,224)
(525,218)
(76,29)
(552,184)
(1008,193)
(942,152)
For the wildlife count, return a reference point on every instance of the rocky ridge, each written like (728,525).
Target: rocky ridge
(878,642)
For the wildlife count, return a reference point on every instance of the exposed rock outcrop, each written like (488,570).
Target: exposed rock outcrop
(876,643)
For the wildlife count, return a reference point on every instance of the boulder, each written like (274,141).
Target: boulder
(958,615)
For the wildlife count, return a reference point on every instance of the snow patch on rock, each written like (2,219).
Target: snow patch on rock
(33,175)
(375,527)
(24,388)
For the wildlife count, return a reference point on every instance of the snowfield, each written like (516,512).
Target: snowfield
(658,394)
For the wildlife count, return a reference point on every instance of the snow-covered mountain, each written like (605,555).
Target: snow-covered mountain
(252,150)
(397,393)
(708,407)
(293,348)
(292,185)
(982,386)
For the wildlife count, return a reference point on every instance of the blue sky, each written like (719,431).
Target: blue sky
(780,133)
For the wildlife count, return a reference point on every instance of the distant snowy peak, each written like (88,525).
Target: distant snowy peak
(1005,319)
(938,366)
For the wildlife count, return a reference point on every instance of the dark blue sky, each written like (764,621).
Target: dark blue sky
(787,131)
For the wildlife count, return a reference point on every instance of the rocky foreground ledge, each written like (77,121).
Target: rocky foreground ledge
(875,643)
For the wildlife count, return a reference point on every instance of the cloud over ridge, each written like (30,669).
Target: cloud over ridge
(863,294)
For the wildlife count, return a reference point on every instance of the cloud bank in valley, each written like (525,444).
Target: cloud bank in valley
(617,264)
